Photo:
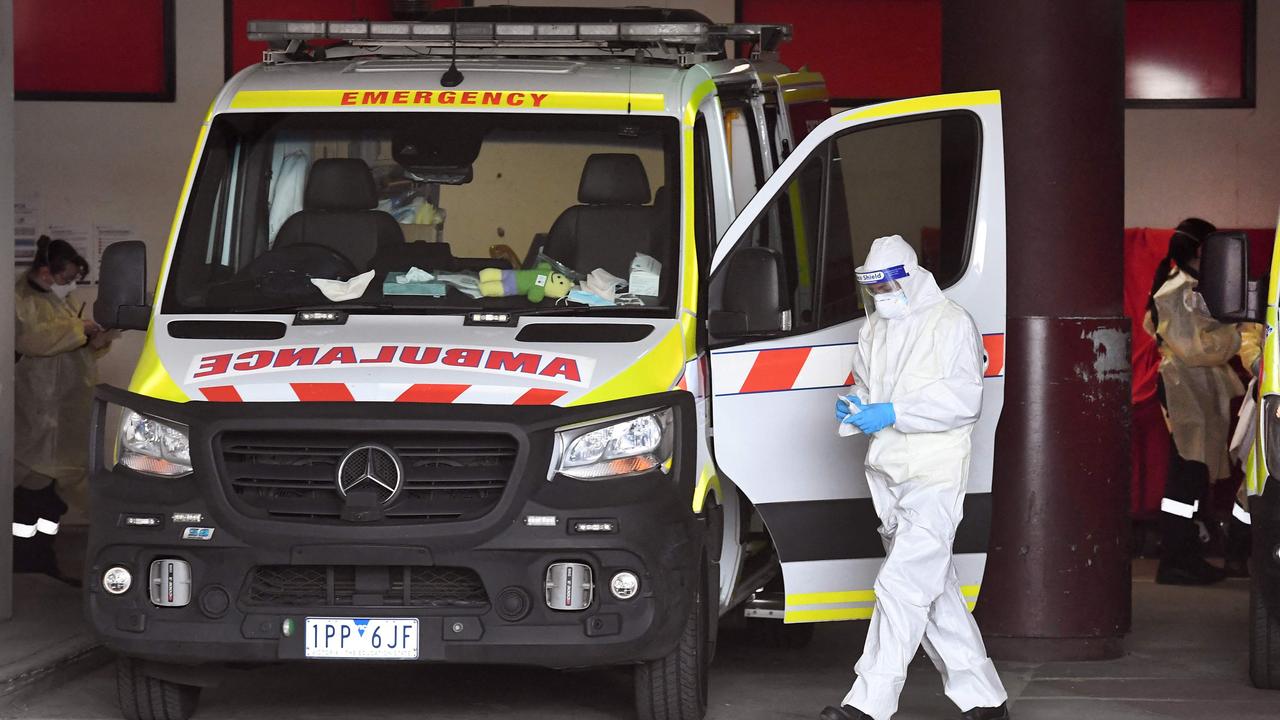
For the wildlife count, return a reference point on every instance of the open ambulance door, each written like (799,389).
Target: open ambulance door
(785,316)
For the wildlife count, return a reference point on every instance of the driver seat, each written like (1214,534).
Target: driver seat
(339,212)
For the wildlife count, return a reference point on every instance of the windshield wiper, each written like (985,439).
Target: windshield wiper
(588,309)
(293,308)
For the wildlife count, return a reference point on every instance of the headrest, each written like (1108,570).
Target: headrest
(613,179)
(662,197)
(343,184)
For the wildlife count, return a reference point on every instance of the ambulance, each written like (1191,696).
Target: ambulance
(514,336)
(1232,297)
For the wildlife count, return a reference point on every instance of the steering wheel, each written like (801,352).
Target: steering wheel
(287,271)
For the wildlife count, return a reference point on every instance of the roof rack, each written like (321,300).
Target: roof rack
(675,39)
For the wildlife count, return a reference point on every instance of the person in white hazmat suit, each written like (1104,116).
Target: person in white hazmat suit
(917,394)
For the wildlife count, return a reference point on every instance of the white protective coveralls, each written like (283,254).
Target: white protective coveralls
(929,364)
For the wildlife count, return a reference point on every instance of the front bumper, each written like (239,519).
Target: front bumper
(657,537)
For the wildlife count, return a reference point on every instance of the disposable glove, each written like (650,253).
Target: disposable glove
(874,417)
(842,407)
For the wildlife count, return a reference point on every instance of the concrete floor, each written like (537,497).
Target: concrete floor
(1187,658)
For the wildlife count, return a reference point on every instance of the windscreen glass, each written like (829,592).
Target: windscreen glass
(431,213)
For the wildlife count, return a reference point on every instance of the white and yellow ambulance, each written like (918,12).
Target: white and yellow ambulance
(513,336)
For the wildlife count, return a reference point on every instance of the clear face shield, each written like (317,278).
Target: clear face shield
(882,293)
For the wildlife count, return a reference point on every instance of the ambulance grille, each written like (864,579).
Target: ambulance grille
(352,586)
(292,475)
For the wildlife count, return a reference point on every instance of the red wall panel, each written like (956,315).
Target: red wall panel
(92,47)
(1184,49)
(864,48)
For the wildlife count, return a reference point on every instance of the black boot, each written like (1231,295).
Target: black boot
(987,713)
(844,712)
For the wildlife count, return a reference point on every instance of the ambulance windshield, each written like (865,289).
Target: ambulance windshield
(431,213)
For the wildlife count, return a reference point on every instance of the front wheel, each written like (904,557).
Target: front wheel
(143,697)
(1264,641)
(675,687)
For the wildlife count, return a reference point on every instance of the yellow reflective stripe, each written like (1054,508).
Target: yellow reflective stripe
(808,616)
(689,288)
(926,104)
(1273,292)
(653,372)
(550,100)
(804,94)
(707,481)
(151,378)
(700,93)
(801,236)
(800,77)
(970,591)
(831,598)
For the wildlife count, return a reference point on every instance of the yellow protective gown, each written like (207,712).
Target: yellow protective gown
(1198,383)
(53,390)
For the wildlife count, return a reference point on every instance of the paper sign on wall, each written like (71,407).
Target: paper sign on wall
(26,229)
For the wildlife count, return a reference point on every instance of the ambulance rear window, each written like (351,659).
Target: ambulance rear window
(431,212)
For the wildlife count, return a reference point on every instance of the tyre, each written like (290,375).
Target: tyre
(675,687)
(143,697)
(1264,642)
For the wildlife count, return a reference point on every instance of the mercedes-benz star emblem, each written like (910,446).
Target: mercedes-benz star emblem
(372,468)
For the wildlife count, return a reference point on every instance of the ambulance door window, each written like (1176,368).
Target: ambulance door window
(704,213)
(916,178)
(790,227)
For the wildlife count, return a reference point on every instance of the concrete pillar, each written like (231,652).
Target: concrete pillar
(1057,584)
(6,309)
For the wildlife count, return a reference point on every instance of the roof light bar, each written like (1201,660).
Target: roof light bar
(516,33)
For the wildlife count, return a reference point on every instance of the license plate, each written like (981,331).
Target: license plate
(362,638)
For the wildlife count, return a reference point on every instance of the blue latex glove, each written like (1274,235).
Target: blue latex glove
(874,417)
(842,411)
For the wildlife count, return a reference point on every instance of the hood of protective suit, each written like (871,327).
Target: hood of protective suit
(919,286)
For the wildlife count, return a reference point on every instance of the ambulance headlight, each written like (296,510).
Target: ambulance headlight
(153,447)
(621,447)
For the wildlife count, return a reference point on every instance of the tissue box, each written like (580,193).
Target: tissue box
(392,286)
(645,272)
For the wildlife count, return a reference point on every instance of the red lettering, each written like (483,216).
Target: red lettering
(469,97)
(385,355)
(503,360)
(447,97)
(374,98)
(459,357)
(253,360)
(341,354)
(515,99)
(491,98)
(213,365)
(412,355)
(538,98)
(401,97)
(296,356)
(422,97)
(349,98)
(564,367)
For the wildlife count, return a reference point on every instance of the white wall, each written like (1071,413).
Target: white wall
(122,163)
(1218,164)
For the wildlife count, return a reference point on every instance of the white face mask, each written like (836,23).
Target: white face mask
(62,291)
(892,305)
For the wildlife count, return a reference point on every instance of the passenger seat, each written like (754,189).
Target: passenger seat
(612,222)
(338,212)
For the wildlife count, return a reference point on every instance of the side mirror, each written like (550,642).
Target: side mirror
(122,287)
(752,298)
(1224,279)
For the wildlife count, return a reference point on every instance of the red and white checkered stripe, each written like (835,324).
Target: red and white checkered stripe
(797,368)
(382,392)
(809,368)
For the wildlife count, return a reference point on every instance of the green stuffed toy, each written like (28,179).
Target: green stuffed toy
(534,284)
